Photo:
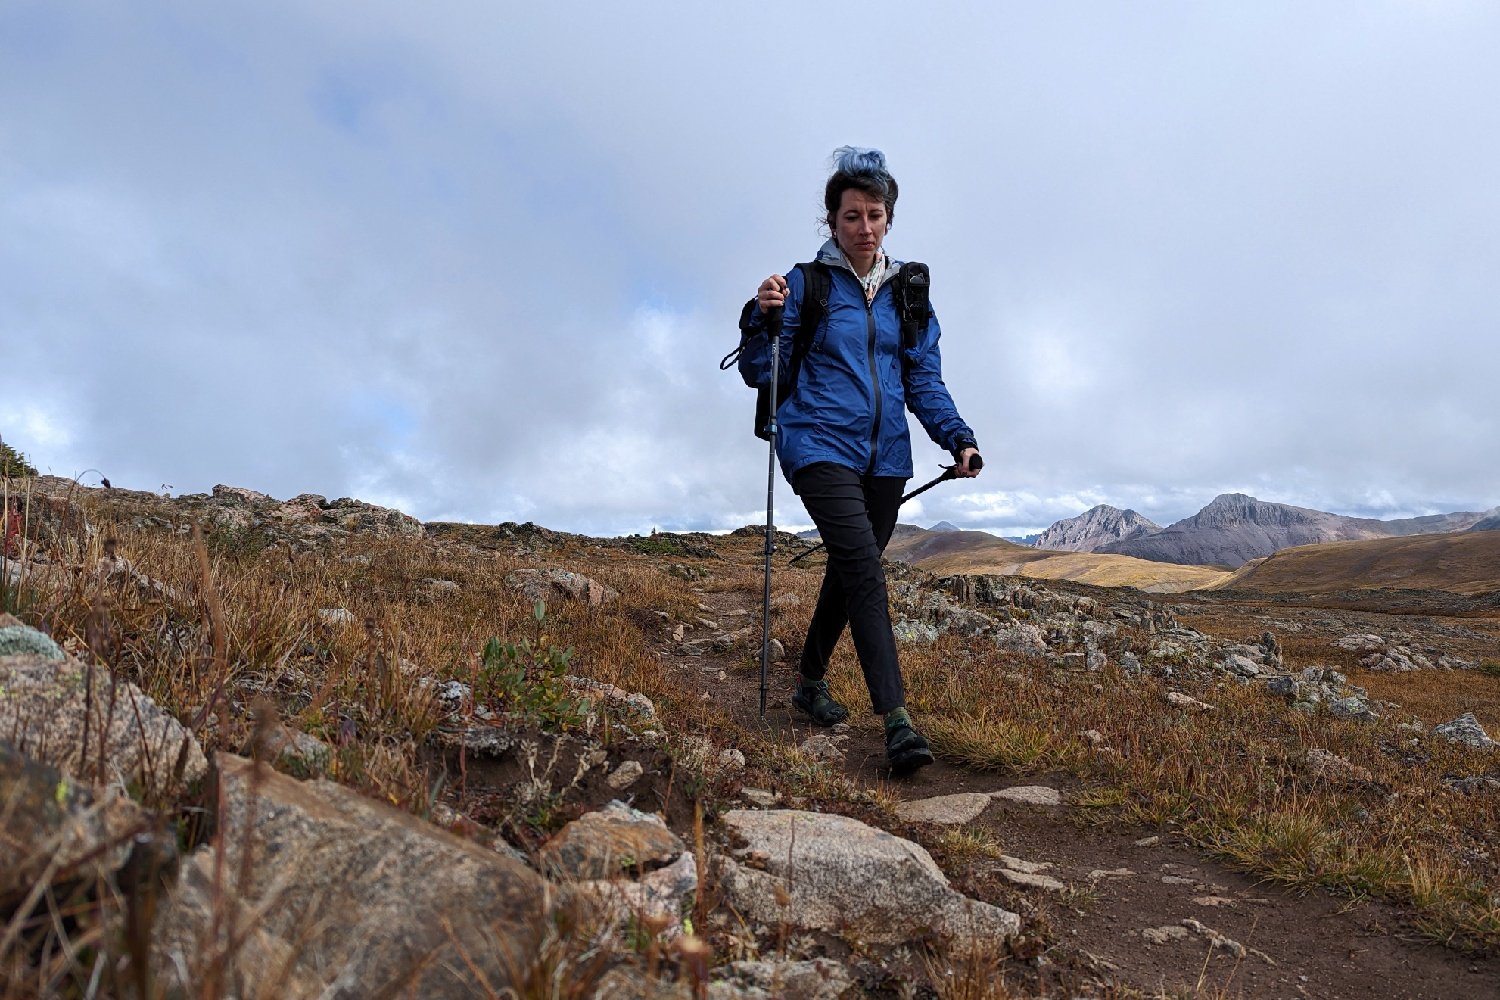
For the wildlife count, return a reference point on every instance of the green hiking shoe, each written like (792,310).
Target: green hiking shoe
(814,701)
(905,748)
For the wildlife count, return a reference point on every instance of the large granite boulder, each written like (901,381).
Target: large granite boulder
(339,896)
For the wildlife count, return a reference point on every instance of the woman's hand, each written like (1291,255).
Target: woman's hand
(771,294)
(962,469)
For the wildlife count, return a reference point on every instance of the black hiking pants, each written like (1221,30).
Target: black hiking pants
(855,516)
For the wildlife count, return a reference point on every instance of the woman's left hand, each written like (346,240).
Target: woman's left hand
(962,470)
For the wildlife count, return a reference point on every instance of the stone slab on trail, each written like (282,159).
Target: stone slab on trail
(839,874)
(945,810)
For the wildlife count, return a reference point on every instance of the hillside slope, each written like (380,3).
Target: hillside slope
(976,552)
(1466,562)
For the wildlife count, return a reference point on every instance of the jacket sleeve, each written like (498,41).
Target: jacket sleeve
(755,356)
(928,398)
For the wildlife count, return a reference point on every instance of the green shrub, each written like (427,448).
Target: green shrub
(526,678)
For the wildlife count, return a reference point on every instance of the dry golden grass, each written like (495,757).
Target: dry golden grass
(953,553)
(1464,562)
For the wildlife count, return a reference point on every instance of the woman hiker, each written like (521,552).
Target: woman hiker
(843,441)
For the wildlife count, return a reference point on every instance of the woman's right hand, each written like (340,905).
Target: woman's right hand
(772,293)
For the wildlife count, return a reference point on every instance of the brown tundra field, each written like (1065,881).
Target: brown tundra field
(262,748)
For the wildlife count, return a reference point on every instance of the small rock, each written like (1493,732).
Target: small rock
(1033,881)
(336,617)
(1331,767)
(1241,666)
(1161,935)
(1148,841)
(1179,700)
(1282,685)
(1093,736)
(451,696)
(605,843)
(625,775)
(813,979)
(1021,865)
(299,754)
(760,797)
(732,760)
(1033,795)
(821,746)
(778,651)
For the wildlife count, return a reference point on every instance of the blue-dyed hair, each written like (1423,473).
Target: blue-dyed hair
(856,167)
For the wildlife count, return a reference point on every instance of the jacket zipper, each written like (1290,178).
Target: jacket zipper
(874,384)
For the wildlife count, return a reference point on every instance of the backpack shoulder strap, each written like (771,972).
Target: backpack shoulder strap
(817,283)
(912,286)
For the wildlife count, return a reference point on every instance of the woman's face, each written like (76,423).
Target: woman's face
(860,224)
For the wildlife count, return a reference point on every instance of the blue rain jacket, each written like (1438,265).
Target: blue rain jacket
(850,402)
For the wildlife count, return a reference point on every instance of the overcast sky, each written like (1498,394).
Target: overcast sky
(478,261)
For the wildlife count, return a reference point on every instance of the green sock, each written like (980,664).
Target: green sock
(897,717)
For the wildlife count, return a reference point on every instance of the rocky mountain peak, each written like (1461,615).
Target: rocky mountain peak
(1095,527)
(1230,509)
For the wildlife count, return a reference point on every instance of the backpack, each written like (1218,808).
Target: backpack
(910,287)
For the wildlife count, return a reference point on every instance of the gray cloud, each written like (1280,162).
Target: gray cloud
(482,265)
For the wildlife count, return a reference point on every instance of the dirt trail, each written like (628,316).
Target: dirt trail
(1135,907)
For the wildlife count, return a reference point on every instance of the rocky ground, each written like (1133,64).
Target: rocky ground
(331,812)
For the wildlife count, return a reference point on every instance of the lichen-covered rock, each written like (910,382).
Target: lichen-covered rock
(89,723)
(1466,730)
(915,632)
(1354,706)
(18,640)
(560,584)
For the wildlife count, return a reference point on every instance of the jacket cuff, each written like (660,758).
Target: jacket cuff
(960,443)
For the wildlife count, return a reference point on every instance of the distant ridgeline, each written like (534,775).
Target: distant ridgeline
(1235,528)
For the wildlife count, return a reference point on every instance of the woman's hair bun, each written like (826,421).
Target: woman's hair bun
(858,160)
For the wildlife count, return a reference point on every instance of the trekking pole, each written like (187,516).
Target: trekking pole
(976,463)
(773,330)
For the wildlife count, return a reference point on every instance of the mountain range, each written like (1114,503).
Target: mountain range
(1234,529)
